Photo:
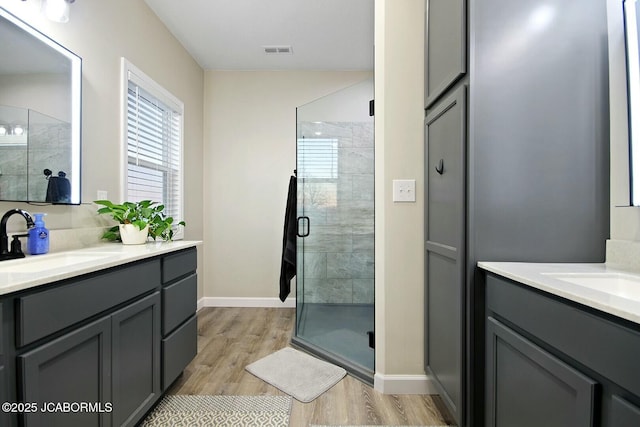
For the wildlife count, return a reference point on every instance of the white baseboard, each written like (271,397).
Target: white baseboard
(245,302)
(404,384)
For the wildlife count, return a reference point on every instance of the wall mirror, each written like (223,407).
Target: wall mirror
(40,113)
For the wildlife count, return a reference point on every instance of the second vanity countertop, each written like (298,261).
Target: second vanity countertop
(562,279)
(35,270)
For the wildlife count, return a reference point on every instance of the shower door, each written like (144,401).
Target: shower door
(335,264)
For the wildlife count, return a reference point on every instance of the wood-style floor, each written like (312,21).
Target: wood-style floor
(231,338)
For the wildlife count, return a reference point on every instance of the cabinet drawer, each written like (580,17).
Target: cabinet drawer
(178,302)
(178,349)
(179,264)
(582,336)
(46,312)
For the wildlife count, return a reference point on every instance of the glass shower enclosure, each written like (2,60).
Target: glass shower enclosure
(335,243)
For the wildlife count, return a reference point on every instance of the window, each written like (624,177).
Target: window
(318,169)
(153,122)
(318,158)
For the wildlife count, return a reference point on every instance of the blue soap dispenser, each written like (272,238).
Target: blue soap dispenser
(38,242)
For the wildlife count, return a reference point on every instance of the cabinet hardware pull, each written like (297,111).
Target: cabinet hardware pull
(440,167)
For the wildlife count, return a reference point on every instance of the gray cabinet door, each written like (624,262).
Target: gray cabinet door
(528,387)
(73,368)
(136,359)
(446,46)
(4,392)
(445,248)
(624,413)
(5,418)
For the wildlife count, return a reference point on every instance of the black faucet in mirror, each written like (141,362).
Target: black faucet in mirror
(16,251)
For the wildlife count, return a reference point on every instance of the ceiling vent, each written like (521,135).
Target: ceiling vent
(278,50)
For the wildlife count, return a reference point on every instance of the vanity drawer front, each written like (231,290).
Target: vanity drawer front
(178,349)
(179,264)
(582,336)
(179,302)
(45,312)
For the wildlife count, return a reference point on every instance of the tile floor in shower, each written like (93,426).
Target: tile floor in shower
(340,329)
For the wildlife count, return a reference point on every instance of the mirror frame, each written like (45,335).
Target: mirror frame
(632,53)
(76,102)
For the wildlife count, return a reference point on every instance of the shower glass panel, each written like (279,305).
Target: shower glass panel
(335,265)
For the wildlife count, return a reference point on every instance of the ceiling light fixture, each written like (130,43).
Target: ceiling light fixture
(57,10)
(18,130)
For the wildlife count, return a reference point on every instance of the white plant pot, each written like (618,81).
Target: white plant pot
(132,235)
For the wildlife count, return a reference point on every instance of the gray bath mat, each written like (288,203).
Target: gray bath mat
(220,411)
(296,373)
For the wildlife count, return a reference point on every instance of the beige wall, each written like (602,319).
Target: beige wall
(625,220)
(399,138)
(101,32)
(250,153)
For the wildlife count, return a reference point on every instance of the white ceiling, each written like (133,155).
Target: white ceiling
(230,34)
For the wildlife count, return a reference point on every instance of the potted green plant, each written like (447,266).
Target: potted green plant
(137,221)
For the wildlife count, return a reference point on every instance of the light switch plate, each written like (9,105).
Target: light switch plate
(404,190)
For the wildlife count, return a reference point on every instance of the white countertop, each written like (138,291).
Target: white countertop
(35,270)
(544,276)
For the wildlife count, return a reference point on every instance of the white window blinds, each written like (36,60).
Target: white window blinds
(154,145)
(318,158)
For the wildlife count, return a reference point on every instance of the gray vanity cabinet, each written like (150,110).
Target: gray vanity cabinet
(446,46)
(445,136)
(98,339)
(553,362)
(535,161)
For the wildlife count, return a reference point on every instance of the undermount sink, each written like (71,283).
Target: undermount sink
(619,284)
(34,264)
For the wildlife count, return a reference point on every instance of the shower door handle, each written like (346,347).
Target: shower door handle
(308,226)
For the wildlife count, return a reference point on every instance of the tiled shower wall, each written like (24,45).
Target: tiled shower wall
(339,251)
(22,166)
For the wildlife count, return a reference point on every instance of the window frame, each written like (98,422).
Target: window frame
(130,72)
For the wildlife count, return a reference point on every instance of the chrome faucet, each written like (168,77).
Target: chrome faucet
(16,251)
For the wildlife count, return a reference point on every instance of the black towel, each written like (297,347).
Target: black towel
(58,190)
(288,265)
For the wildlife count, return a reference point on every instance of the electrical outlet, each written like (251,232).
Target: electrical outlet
(102,195)
(404,190)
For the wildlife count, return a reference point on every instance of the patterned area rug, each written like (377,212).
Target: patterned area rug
(219,411)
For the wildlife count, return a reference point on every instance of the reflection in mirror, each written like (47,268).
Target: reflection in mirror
(40,84)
